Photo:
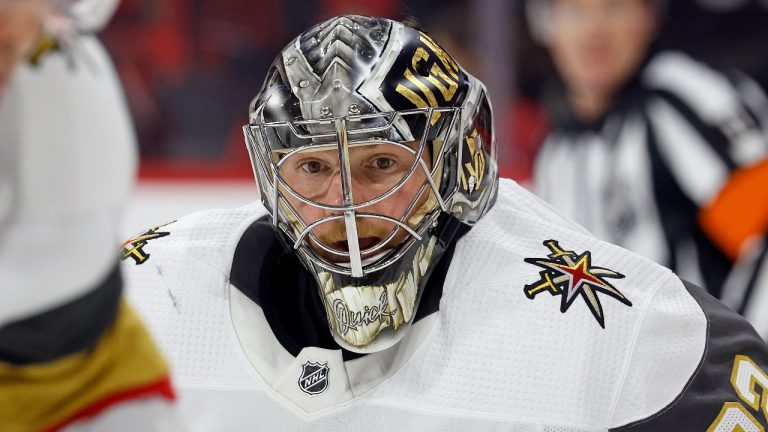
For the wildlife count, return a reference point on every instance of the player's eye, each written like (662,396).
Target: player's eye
(383,163)
(312,167)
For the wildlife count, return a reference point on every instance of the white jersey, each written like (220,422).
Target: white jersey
(540,327)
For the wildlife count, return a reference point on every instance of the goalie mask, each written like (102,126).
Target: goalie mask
(371,146)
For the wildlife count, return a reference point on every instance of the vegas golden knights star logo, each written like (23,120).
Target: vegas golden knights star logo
(134,248)
(314,377)
(568,274)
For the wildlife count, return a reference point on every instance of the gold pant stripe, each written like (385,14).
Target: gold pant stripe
(34,397)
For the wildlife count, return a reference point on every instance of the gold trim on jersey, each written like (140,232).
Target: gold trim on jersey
(743,365)
(735,418)
(38,396)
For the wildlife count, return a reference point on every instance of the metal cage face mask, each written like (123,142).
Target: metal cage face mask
(352,193)
(357,197)
(365,135)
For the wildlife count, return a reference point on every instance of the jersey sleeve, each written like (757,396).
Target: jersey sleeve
(711,130)
(728,388)
(72,352)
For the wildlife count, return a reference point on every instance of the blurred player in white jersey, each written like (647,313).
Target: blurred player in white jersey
(388,280)
(656,152)
(73,354)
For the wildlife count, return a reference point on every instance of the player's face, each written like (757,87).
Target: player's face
(598,45)
(375,169)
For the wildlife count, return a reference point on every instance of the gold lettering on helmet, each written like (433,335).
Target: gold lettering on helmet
(447,92)
(420,54)
(448,62)
(421,86)
(440,78)
(411,96)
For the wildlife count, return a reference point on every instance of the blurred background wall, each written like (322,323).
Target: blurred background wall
(191,67)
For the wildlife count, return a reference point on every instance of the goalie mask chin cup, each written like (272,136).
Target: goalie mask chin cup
(367,140)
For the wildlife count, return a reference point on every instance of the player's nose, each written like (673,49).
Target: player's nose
(334,193)
(342,192)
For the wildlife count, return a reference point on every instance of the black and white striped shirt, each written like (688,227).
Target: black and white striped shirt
(676,170)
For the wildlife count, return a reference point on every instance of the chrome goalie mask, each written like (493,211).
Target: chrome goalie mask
(371,146)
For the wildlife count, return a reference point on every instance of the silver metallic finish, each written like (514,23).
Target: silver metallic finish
(304,247)
(339,69)
(429,221)
(432,185)
(275,200)
(313,225)
(352,206)
(307,229)
(358,68)
(280,186)
(265,167)
(379,265)
(353,243)
(346,190)
(395,188)
(272,80)
(391,116)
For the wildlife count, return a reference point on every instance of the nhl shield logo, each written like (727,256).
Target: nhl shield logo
(314,377)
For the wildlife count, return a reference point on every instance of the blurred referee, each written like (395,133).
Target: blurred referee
(656,152)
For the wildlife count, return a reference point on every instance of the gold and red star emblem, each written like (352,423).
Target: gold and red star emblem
(569,275)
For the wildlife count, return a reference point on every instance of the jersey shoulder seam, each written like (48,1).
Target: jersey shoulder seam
(693,376)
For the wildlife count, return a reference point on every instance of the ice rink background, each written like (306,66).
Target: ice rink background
(157,202)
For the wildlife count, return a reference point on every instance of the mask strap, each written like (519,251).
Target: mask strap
(450,229)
